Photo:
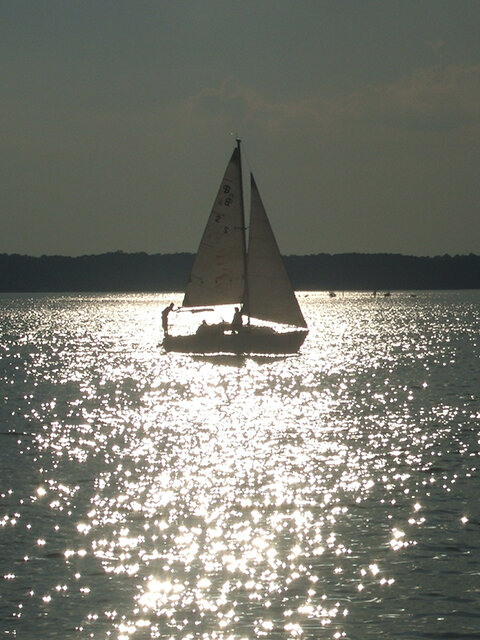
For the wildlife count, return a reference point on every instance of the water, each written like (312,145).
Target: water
(332,494)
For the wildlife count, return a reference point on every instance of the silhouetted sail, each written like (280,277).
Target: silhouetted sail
(218,273)
(223,273)
(270,295)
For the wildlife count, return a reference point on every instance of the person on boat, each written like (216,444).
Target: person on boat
(237,321)
(165,313)
(203,328)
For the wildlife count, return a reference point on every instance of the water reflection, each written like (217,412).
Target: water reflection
(157,496)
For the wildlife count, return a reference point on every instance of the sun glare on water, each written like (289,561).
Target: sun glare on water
(228,497)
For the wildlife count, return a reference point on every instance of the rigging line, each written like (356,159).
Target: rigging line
(245,298)
(247,161)
(245,182)
(249,170)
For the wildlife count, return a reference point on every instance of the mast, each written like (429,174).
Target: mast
(245,305)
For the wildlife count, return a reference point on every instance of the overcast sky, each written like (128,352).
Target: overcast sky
(359,119)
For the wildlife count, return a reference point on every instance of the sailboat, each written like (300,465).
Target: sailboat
(253,278)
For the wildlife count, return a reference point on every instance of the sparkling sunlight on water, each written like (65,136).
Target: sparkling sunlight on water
(327,495)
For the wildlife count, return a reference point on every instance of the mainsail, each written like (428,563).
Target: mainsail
(270,295)
(218,273)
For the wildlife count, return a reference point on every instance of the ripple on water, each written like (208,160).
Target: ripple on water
(330,495)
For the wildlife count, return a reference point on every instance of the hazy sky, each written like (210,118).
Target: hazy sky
(360,120)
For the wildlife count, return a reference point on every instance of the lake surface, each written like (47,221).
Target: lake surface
(333,494)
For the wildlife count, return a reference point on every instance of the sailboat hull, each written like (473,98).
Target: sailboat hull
(249,340)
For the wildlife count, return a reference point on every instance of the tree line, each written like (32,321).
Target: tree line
(141,272)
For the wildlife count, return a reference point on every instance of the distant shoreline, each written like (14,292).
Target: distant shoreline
(141,272)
